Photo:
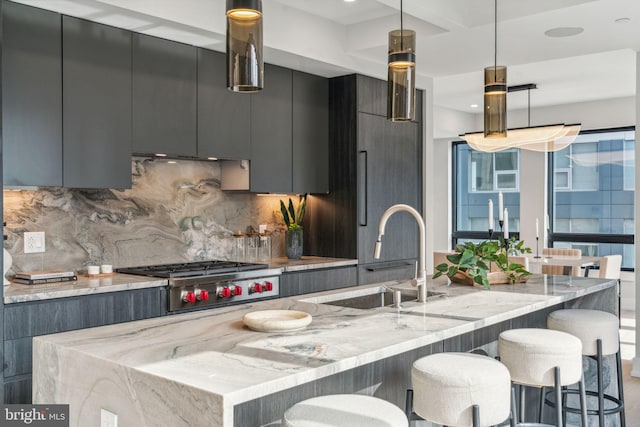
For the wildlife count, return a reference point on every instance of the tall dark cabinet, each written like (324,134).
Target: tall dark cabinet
(96,91)
(31,96)
(222,115)
(374,164)
(164,96)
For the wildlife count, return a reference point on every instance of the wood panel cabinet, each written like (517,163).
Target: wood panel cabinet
(164,96)
(31,96)
(304,282)
(374,164)
(96,82)
(223,116)
(23,321)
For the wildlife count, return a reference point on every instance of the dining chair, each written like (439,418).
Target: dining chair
(559,269)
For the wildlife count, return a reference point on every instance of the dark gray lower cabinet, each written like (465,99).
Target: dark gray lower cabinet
(305,282)
(96,93)
(23,321)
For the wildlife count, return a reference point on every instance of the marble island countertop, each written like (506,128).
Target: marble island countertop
(211,361)
(15,292)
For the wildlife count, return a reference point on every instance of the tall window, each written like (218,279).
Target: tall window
(592,202)
(478,177)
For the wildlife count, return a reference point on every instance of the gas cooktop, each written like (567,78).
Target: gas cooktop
(192,269)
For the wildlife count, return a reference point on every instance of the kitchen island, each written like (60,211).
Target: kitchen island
(207,368)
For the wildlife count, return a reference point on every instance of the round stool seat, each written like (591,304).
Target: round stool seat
(344,410)
(588,326)
(532,354)
(447,385)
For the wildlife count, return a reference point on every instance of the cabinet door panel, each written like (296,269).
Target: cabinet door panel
(393,176)
(372,95)
(97,105)
(310,134)
(164,96)
(223,116)
(271,133)
(31,96)
(317,280)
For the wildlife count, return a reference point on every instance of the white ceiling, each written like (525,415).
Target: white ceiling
(455,40)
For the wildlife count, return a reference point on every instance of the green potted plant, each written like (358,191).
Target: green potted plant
(293,220)
(473,263)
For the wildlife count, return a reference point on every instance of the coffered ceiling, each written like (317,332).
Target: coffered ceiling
(455,40)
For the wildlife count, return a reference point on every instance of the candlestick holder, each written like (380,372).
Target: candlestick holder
(537,241)
(490,234)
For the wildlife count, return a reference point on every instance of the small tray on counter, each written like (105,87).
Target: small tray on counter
(276,320)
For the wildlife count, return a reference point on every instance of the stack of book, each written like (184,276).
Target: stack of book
(42,277)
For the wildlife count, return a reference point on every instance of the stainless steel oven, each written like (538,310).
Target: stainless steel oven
(214,283)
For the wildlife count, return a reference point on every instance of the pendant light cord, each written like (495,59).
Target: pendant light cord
(495,40)
(401,29)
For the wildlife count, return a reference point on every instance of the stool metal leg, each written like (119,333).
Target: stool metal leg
(558,390)
(541,408)
(522,400)
(620,389)
(583,402)
(514,412)
(408,404)
(600,383)
(476,416)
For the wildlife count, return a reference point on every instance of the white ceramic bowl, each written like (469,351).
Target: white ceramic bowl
(276,320)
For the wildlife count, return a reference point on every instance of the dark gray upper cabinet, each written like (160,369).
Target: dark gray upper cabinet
(310,133)
(372,95)
(164,96)
(31,96)
(223,116)
(96,81)
(271,133)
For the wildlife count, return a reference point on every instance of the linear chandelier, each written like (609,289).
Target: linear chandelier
(401,78)
(245,65)
(539,138)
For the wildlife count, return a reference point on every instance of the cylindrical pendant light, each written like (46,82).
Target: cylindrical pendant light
(401,79)
(495,101)
(245,65)
(495,92)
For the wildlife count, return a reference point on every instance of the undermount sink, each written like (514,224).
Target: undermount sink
(369,298)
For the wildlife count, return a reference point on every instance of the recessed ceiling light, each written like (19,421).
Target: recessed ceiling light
(473,105)
(349,1)
(622,20)
(564,31)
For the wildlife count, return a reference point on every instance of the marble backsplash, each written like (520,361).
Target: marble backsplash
(174,212)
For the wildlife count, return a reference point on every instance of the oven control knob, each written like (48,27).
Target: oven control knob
(224,293)
(257,287)
(237,290)
(203,295)
(268,286)
(189,297)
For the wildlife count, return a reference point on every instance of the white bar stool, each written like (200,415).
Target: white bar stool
(344,410)
(542,358)
(459,389)
(599,334)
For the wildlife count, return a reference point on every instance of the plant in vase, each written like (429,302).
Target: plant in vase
(293,220)
(472,263)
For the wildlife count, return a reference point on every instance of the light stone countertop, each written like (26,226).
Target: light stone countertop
(209,361)
(310,263)
(15,292)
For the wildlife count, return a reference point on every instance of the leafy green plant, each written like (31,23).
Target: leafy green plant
(293,217)
(475,260)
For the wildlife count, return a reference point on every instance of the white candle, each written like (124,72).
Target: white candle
(490,214)
(500,207)
(537,230)
(546,222)
(506,224)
